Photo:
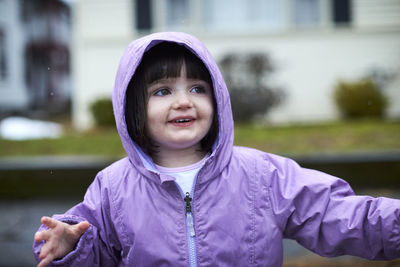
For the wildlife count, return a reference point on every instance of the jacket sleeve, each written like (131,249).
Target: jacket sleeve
(322,213)
(99,245)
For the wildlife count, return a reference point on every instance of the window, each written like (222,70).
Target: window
(243,15)
(250,16)
(341,12)
(177,13)
(143,15)
(3,60)
(306,13)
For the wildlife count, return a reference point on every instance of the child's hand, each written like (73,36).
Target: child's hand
(60,238)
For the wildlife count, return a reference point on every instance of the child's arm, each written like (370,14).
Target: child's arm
(322,213)
(92,220)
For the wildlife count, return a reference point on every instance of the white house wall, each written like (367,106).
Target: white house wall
(100,39)
(308,63)
(372,13)
(13,95)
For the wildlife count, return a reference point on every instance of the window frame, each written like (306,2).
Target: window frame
(3,55)
(196,11)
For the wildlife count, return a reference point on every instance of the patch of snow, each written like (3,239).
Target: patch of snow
(19,128)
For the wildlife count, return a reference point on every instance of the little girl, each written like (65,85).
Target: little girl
(185,196)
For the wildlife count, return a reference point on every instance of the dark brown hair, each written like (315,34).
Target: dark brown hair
(164,60)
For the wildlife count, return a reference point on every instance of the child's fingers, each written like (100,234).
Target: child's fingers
(42,235)
(38,237)
(44,262)
(46,250)
(77,230)
(82,227)
(49,222)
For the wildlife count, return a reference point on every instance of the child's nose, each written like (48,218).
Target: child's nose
(182,101)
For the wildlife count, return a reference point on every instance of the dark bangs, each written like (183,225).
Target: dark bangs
(164,60)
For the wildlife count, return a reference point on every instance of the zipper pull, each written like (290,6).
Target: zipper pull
(188,201)
(189,216)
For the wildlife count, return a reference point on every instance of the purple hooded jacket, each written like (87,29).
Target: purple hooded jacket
(244,201)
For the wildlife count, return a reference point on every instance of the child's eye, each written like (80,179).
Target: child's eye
(162,92)
(198,90)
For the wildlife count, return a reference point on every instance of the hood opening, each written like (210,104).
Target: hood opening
(163,60)
(222,147)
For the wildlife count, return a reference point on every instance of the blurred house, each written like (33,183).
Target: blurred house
(312,43)
(34,57)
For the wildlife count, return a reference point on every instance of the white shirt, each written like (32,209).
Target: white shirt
(185,175)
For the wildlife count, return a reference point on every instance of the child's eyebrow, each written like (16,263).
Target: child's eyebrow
(162,80)
(172,80)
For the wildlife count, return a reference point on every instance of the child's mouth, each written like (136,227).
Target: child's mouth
(184,122)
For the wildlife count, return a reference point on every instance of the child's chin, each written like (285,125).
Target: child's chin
(185,144)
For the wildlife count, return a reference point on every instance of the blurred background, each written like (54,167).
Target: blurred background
(315,80)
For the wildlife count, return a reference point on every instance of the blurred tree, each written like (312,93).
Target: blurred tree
(247,78)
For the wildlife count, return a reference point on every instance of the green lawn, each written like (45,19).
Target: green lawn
(334,137)
(343,137)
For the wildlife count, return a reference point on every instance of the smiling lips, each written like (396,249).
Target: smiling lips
(182,121)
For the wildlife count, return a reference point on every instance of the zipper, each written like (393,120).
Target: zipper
(189,221)
(190,230)
(189,216)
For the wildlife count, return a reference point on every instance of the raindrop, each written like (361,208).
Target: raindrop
(51,172)
(48,68)
(51,93)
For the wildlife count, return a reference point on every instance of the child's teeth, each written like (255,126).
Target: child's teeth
(183,120)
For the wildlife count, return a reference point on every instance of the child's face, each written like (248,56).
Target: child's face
(179,112)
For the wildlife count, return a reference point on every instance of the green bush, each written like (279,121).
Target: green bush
(360,99)
(102,112)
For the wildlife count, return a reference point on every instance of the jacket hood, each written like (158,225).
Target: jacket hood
(222,149)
